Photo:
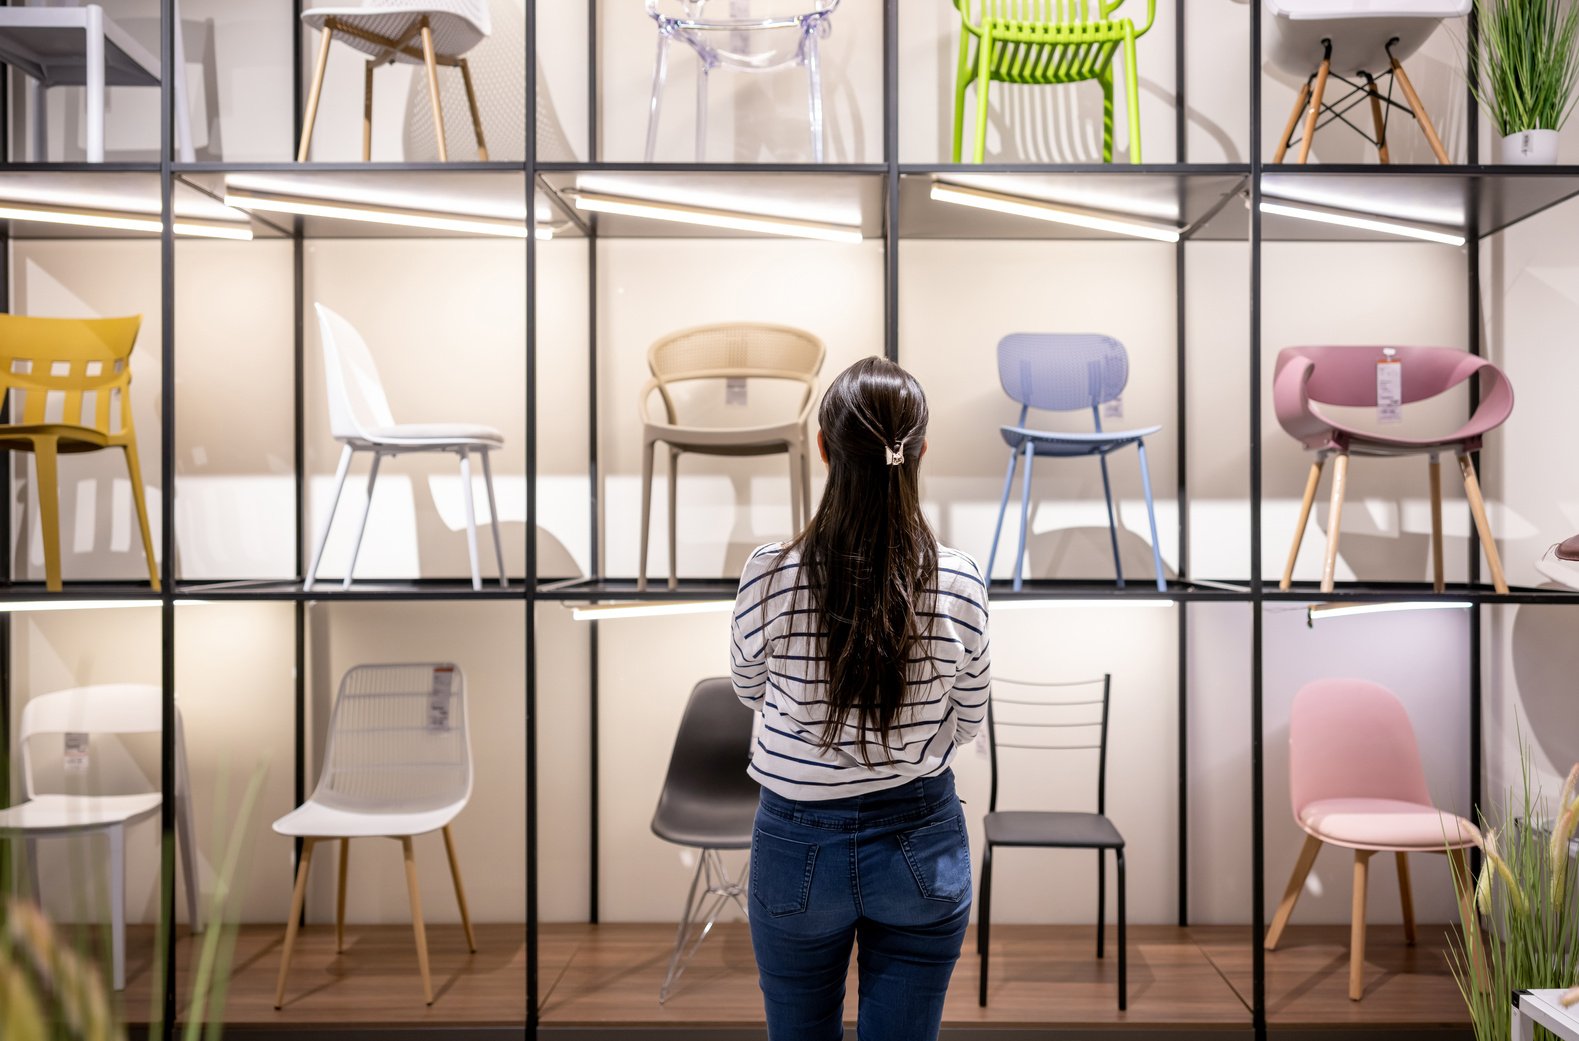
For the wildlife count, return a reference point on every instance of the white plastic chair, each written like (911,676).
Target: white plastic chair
(360,419)
(772,39)
(38,41)
(385,30)
(397,765)
(113,708)
(1314,40)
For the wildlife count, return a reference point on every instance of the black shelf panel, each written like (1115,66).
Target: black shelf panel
(149,166)
(811,169)
(1419,592)
(583,590)
(131,592)
(1000,590)
(265,166)
(290,590)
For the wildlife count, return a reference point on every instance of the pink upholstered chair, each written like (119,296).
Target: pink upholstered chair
(1355,781)
(1308,377)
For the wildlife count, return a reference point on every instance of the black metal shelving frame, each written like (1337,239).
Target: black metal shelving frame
(1495,199)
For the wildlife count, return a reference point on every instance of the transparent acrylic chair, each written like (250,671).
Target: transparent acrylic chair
(745,36)
(397,765)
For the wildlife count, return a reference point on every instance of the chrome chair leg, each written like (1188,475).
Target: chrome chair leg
(711,880)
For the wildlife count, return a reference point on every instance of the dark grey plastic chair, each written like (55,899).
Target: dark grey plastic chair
(1042,829)
(709,803)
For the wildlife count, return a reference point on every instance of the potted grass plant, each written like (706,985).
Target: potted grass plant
(1528,71)
(1529,939)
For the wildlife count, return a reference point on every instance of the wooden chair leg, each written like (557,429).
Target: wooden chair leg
(646,514)
(1406,898)
(339,901)
(1296,885)
(1293,121)
(471,101)
(298,897)
(1340,480)
(1437,581)
(416,918)
(431,61)
(367,113)
(45,462)
(674,518)
(1314,112)
(1376,119)
(1311,484)
(313,94)
(1362,860)
(460,893)
(1419,111)
(1477,507)
(134,472)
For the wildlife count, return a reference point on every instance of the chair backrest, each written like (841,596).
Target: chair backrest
(1061,372)
(74,371)
(356,395)
(1068,716)
(1348,739)
(735,350)
(1346,375)
(398,740)
(711,751)
(1036,12)
(106,708)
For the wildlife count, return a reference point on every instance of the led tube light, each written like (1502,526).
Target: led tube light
(471,224)
(123,221)
(1345,219)
(1020,206)
(1116,601)
(1339,608)
(733,220)
(601,612)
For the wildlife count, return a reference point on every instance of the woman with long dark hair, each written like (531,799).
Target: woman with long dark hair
(863,643)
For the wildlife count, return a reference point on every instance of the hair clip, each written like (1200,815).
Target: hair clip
(895,456)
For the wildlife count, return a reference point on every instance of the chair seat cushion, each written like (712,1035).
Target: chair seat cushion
(1385,824)
(724,820)
(315,819)
(435,434)
(456,27)
(64,813)
(1052,829)
(1060,443)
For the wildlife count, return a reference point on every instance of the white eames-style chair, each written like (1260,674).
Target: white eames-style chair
(359,418)
(110,709)
(397,765)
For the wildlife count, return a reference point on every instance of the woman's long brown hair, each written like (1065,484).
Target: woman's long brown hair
(869,557)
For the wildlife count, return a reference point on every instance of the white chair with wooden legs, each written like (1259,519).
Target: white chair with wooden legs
(1307,378)
(731,354)
(360,419)
(107,709)
(1360,43)
(397,765)
(426,32)
(1356,782)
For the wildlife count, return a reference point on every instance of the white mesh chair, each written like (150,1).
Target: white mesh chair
(722,353)
(359,418)
(397,765)
(752,36)
(110,709)
(418,32)
(42,40)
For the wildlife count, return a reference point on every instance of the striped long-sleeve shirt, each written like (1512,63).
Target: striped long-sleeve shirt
(779,670)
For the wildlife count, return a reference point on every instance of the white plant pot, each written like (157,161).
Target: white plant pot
(1528,148)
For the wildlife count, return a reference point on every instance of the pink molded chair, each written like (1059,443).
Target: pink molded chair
(1307,377)
(1355,781)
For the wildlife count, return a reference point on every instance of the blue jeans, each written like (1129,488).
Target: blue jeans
(890,870)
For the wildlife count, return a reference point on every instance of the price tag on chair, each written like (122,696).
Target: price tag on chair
(76,761)
(1114,409)
(1389,387)
(439,698)
(735,390)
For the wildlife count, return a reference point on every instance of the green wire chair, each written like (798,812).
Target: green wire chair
(1044,42)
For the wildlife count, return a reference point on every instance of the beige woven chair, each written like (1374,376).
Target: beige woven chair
(729,351)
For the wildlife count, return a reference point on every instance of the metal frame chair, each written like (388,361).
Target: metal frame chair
(360,419)
(397,765)
(1043,829)
(720,43)
(708,803)
(727,351)
(113,708)
(1062,372)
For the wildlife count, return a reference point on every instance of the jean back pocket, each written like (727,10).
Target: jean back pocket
(781,871)
(939,858)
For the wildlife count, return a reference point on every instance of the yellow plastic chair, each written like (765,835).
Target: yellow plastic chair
(67,380)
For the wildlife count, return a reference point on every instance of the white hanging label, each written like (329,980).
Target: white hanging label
(76,761)
(1389,389)
(735,390)
(1114,409)
(439,698)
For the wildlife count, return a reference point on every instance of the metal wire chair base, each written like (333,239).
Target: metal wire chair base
(711,880)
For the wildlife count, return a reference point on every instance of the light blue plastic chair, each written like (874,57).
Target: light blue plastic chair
(1061,372)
